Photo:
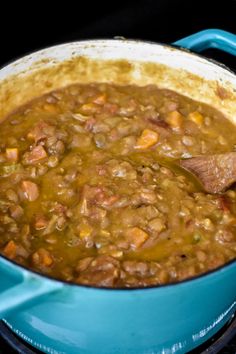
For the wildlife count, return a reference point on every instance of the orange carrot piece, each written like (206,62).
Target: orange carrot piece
(174,119)
(136,236)
(147,139)
(10,250)
(12,154)
(42,258)
(196,117)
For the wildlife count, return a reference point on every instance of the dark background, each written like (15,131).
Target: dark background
(28,27)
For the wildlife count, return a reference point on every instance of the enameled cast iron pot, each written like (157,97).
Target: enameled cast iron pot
(58,317)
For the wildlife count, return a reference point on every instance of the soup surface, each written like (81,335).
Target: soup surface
(91,191)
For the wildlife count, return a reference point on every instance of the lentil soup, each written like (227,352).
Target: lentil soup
(91,191)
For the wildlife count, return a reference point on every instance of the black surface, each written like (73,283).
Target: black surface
(40,25)
(26,27)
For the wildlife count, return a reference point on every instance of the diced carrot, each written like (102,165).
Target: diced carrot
(42,258)
(36,154)
(47,259)
(136,236)
(12,154)
(10,250)
(100,99)
(147,139)
(174,119)
(196,117)
(30,190)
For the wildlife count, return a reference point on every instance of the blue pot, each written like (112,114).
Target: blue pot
(58,317)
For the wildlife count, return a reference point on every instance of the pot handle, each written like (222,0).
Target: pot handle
(21,287)
(210,38)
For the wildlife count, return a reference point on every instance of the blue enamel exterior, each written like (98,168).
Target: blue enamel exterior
(211,38)
(83,320)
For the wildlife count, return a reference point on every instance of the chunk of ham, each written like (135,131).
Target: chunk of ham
(41,222)
(30,190)
(16,211)
(40,131)
(36,154)
(102,271)
(99,196)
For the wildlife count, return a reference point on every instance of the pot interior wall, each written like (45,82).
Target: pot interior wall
(121,62)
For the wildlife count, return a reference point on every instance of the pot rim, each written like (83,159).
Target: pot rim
(121,39)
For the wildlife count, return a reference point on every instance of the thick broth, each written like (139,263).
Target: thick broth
(91,191)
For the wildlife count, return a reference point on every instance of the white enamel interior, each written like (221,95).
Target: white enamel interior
(175,73)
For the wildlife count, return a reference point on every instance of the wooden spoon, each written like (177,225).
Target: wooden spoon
(215,172)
